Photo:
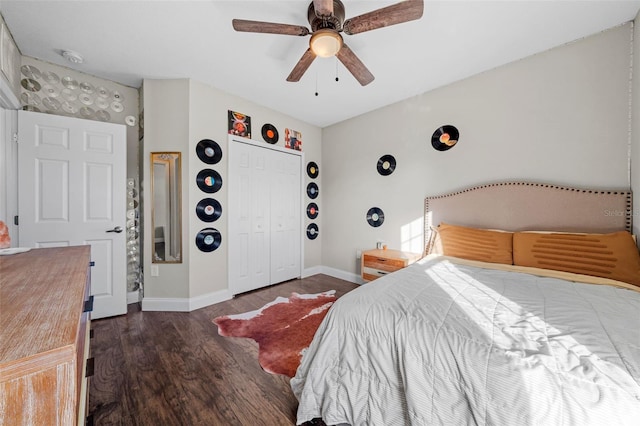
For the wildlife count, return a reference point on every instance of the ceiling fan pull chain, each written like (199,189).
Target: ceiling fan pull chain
(337,78)
(316,83)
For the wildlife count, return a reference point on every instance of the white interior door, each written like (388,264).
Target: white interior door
(72,191)
(285,217)
(249,230)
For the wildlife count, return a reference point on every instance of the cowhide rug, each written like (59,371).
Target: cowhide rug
(283,328)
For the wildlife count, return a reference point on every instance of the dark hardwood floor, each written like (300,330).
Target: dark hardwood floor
(172,368)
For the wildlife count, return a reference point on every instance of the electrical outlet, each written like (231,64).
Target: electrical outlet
(358,254)
(155,271)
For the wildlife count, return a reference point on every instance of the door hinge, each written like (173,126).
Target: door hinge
(16,222)
(15,138)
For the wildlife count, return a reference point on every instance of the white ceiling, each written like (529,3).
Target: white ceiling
(127,41)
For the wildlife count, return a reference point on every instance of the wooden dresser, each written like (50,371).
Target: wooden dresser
(377,263)
(44,336)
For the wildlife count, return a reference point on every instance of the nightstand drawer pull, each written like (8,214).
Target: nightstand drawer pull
(381,259)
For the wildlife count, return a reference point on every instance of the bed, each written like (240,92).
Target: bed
(474,339)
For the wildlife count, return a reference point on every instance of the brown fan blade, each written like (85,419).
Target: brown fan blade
(355,65)
(408,10)
(323,7)
(302,65)
(268,27)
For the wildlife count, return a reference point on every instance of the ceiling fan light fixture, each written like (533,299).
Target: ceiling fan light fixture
(325,43)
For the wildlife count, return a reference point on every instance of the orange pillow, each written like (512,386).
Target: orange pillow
(614,256)
(474,244)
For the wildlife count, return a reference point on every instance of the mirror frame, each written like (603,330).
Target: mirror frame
(173,204)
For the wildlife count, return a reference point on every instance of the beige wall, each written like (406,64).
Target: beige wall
(166,128)
(560,117)
(197,111)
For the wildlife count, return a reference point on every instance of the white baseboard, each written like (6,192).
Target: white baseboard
(343,275)
(176,304)
(133,297)
(209,299)
(314,270)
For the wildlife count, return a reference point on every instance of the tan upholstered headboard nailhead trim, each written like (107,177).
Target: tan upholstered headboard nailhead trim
(520,206)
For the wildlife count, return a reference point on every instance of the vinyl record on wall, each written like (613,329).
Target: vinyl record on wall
(375,216)
(208,239)
(312,210)
(209,210)
(445,137)
(312,170)
(209,181)
(312,190)
(386,165)
(30,84)
(270,133)
(312,231)
(209,151)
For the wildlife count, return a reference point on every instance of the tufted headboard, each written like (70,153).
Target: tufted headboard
(520,206)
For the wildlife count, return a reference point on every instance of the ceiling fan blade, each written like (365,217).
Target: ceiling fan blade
(355,65)
(268,27)
(408,10)
(323,7)
(302,66)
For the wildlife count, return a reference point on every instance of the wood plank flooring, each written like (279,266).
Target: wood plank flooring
(172,368)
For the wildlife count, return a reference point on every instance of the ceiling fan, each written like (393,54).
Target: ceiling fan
(326,18)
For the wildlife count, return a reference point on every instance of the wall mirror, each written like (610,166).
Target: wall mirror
(166,195)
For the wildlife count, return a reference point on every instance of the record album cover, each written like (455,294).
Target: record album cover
(239,124)
(293,139)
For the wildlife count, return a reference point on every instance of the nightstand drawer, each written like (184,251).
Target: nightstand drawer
(374,273)
(383,264)
(378,263)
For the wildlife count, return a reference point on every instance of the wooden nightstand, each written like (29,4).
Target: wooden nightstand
(376,263)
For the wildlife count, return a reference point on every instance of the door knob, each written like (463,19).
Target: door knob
(117,230)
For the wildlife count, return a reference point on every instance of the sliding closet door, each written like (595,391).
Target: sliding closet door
(285,217)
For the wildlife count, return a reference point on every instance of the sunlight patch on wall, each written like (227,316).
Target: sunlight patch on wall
(412,236)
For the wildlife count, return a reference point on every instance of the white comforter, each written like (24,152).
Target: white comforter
(439,343)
